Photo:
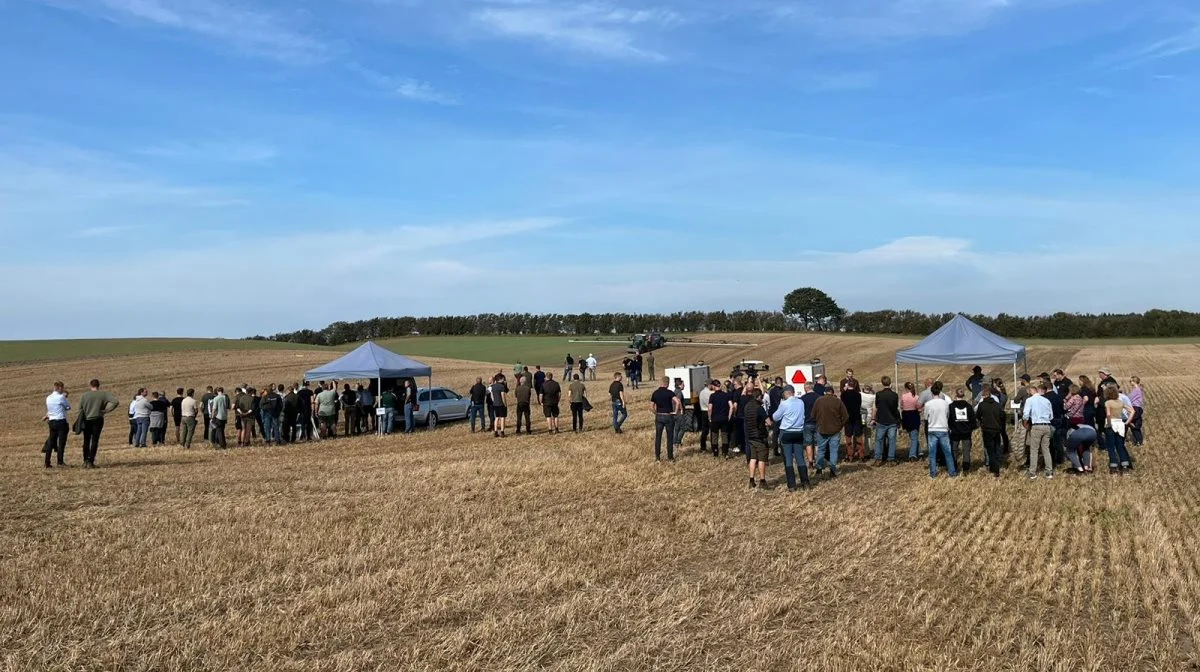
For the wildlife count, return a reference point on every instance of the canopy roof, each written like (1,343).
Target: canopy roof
(961,341)
(369,361)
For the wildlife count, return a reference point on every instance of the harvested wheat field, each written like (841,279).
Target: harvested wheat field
(447,550)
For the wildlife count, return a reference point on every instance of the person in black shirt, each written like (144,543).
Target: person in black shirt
(616,393)
(291,415)
(774,398)
(551,396)
(886,415)
(499,404)
(208,396)
(539,380)
(304,412)
(177,412)
(1059,423)
(665,406)
(756,437)
(992,419)
(809,398)
(349,410)
(720,405)
(477,409)
(737,421)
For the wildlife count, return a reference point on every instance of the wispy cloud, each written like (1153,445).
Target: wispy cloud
(250,31)
(1097,91)
(602,30)
(1183,42)
(101,231)
(423,92)
(891,19)
(218,152)
(42,177)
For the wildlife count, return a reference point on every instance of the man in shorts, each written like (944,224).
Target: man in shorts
(499,404)
(551,396)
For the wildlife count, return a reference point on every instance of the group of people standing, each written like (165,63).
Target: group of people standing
(1059,421)
(489,403)
(278,414)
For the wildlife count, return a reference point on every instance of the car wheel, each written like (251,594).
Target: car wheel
(432,422)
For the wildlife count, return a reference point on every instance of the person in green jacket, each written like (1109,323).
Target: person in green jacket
(93,406)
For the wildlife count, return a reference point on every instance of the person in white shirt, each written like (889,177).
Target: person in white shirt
(141,409)
(591,365)
(937,419)
(56,419)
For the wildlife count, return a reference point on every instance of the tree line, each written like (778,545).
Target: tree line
(1151,324)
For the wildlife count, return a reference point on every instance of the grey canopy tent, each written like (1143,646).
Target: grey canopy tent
(370,361)
(962,342)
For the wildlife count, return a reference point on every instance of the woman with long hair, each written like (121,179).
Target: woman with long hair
(1137,397)
(910,420)
(1087,390)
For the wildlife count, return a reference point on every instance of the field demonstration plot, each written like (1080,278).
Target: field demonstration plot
(451,550)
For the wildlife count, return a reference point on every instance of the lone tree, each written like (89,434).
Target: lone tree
(812,308)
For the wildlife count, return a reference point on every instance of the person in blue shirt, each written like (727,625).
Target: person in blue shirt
(788,419)
(56,420)
(1039,418)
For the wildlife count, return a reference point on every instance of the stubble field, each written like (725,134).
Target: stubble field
(447,550)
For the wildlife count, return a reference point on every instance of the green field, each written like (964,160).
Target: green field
(30,351)
(548,351)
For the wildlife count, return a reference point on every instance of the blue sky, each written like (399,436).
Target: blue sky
(221,168)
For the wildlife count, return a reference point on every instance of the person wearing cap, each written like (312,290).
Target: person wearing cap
(591,366)
(1039,417)
(788,419)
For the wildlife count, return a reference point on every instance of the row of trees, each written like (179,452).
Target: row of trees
(1152,324)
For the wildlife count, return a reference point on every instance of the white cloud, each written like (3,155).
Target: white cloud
(601,30)
(250,31)
(423,92)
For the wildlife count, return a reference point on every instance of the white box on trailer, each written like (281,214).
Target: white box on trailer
(694,379)
(799,374)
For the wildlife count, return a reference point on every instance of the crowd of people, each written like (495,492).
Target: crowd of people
(275,415)
(1060,422)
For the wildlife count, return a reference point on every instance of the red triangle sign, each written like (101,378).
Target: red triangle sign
(798,377)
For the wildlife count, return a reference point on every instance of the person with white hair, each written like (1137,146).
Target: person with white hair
(591,366)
